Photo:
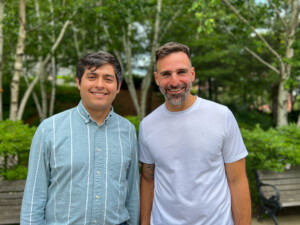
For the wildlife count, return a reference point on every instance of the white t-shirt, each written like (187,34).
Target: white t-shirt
(189,149)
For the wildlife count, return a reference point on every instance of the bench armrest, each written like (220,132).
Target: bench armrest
(275,197)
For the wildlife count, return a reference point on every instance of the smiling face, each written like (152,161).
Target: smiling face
(174,77)
(98,88)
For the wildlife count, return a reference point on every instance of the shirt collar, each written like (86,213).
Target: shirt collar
(86,117)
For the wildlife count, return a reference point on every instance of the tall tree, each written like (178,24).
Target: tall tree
(283,19)
(14,99)
(290,22)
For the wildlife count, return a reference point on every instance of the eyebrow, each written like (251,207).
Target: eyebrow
(178,70)
(106,75)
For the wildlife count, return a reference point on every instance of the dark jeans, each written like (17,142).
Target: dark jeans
(123,223)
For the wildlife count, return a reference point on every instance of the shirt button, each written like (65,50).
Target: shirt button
(98,149)
(95,221)
(98,172)
(97,196)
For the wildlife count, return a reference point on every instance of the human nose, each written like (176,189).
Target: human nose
(99,83)
(174,80)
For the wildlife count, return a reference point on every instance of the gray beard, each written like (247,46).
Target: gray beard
(176,99)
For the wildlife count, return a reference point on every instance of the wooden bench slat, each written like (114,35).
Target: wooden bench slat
(8,185)
(282,181)
(270,175)
(10,202)
(290,204)
(10,215)
(11,194)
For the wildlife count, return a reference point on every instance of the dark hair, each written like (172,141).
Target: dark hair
(171,47)
(96,60)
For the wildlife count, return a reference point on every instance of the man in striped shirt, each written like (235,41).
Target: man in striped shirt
(83,165)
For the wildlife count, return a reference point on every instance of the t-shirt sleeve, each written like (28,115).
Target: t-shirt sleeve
(234,148)
(145,155)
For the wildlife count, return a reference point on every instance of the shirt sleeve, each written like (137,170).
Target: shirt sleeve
(234,148)
(133,196)
(144,154)
(35,193)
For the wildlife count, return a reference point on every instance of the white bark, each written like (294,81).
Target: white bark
(290,21)
(148,78)
(43,113)
(45,62)
(128,56)
(2,3)
(53,64)
(15,83)
(128,77)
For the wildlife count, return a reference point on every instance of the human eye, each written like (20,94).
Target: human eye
(182,71)
(109,78)
(91,77)
(165,74)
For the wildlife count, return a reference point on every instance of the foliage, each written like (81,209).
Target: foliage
(272,149)
(15,140)
(135,120)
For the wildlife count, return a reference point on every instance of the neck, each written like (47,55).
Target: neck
(100,116)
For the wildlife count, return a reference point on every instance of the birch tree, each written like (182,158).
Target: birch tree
(45,62)
(290,21)
(286,14)
(156,30)
(14,99)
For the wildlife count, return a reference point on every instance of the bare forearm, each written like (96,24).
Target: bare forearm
(241,203)
(147,192)
(239,190)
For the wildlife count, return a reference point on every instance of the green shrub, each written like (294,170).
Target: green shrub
(271,150)
(274,148)
(135,120)
(15,141)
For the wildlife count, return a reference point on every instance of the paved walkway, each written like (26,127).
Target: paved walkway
(282,220)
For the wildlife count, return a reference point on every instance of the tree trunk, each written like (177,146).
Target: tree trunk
(148,78)
(53,91)
(282,111)
(15,83)
(40,66)
(274,95)
(290,23)
(37,77)
(53,62)
(2,2)
(128,77)
(285,68)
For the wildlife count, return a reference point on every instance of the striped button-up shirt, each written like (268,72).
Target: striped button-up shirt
(82,173)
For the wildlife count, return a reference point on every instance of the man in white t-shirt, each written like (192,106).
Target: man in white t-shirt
(192,153)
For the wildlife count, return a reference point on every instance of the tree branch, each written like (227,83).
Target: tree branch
(278,13)
(166,28)
(261,60)
(253,29)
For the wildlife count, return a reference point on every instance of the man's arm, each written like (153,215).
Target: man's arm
(133,197)
(239,189)
(147,192)
(35,193)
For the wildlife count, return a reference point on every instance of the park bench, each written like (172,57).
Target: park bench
(11,194)
(277,190)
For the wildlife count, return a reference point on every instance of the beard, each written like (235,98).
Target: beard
(176,99)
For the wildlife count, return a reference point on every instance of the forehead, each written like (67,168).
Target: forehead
(106,69)
(174,61)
